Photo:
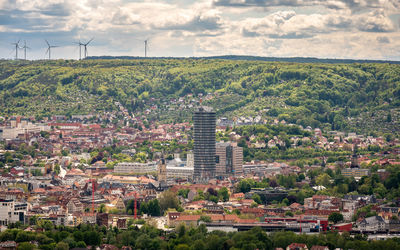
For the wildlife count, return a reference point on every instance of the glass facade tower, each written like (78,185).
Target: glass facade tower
(204,120)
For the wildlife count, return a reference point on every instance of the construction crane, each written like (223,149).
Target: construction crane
(135,207)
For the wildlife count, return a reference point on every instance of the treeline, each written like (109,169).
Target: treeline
(313,94)
(184,237)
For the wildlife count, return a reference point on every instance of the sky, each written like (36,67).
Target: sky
(345,29)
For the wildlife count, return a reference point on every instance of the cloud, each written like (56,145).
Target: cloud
(284,25)
(330,4)
(123,17)
(383,39)
(56,10)
(375,21)
(331,28)
(290,25)
(191,22)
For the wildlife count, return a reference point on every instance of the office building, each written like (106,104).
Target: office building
(136,168)
(229,159)
(204,144)
(11,212)
(355,172)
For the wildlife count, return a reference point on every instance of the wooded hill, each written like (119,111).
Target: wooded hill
(356,97)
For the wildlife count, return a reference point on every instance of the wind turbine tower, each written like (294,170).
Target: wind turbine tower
(145,48)
(80,49)
(16,49)
(85,53)
(49,48)
(25,47)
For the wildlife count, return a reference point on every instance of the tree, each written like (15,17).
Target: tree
(80,244)
(45,224)
(323,180)
(102,208)
(198,245)
(62,246)
(26,246)
(205,218)
(272,183)
(389,118)
(289,214)
(182,247)
(244,186)
(92,238)
(335,217)
(24,236)
(212,191)
(223,194)
(167,200)
(153,208)
(184,192)
(257,198)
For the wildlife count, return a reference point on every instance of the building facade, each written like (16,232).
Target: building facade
(355,172)
(179,172)
(229,159)
(136,167)
(204,120)
(11,212)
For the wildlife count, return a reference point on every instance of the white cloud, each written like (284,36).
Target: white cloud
(375,21)
(332,28)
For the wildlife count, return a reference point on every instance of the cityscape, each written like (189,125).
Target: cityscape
(75,170)
(191,125)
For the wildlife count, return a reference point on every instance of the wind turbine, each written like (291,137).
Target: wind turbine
(85,53)
(25,47)
(49,48)
(80,49)
(16,48)
(145,47)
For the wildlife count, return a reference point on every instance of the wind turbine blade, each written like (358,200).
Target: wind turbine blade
(47,51)
(48,44)
(90,41)
(76,49)
(18,41)
(11,52)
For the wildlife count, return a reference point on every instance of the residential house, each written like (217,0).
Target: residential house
(373,223)
(297,246)
(319,248)
(74,206)
(119,203)
(8,245)
(89,218)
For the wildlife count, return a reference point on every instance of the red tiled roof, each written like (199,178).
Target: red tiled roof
(297,245)
(39,190)
(188,217)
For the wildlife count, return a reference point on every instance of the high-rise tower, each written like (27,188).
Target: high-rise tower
(204,144)
(229,161)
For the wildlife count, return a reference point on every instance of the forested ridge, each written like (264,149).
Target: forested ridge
(355,96)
